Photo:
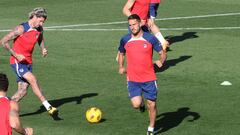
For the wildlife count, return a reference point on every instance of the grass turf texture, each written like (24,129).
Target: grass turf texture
(80,70)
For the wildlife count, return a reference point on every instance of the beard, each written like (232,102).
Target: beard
(136,31)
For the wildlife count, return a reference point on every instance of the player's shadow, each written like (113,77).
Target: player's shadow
(169,120)
(60,102)
(187,35)
(170,63)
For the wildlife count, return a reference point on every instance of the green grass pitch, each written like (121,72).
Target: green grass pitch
(80,70)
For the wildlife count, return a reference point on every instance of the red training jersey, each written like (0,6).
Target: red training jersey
(5,128)
(24,44)
(139,52)
(155,1)
(141,8)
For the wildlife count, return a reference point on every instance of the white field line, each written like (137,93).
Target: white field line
(165,29)
(200,16)
(122,22)
(162,29)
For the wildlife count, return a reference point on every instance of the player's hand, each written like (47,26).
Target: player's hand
(44,52)
(117,57)
(28,131)
(165,45)
(121,70)
(150,23)
(159,63)
(20,57)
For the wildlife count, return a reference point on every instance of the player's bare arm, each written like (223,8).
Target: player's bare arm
(44,49)
(121,69)
(127,7)
(162,58)
(9,37)
(15,120)
(42,45)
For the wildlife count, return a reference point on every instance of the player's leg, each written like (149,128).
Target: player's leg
(154,28)
(32,80)
(153,10)
(150,93)
(136,101)
(156,31)
(135,94)
(26,78)
(19,70)
(152,110)
(21,92)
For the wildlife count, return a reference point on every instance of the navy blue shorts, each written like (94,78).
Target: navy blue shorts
(153,10)
(20,70)
(148,89)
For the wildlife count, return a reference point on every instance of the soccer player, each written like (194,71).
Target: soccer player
(24,38)
(9,116)
(138,47)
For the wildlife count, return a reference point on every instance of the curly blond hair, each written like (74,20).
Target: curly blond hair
(39,12)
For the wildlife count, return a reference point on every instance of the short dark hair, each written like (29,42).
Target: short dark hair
(3,82)
(134,16)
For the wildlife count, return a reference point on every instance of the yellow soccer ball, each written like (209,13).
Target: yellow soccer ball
(93,115)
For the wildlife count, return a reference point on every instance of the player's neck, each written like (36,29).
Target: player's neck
(31,23)
(138,35)
(2,94)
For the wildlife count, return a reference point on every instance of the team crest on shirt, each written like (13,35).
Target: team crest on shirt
(144,45)
(21,70)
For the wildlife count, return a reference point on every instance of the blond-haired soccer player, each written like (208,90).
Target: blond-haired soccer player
(24,38)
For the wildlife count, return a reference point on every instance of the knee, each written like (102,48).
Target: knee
(151,105)
(136,105)
(136,102)
(32,80)
(23,91)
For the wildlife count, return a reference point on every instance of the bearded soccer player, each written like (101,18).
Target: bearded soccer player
(138,47)
(9,117)
(24,38)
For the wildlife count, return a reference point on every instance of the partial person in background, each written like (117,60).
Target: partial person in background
(9,112)
(153,7)
(142,9)
(154,4)
(24,38)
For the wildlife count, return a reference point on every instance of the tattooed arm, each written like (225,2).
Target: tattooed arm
(11,36)
(15,120)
